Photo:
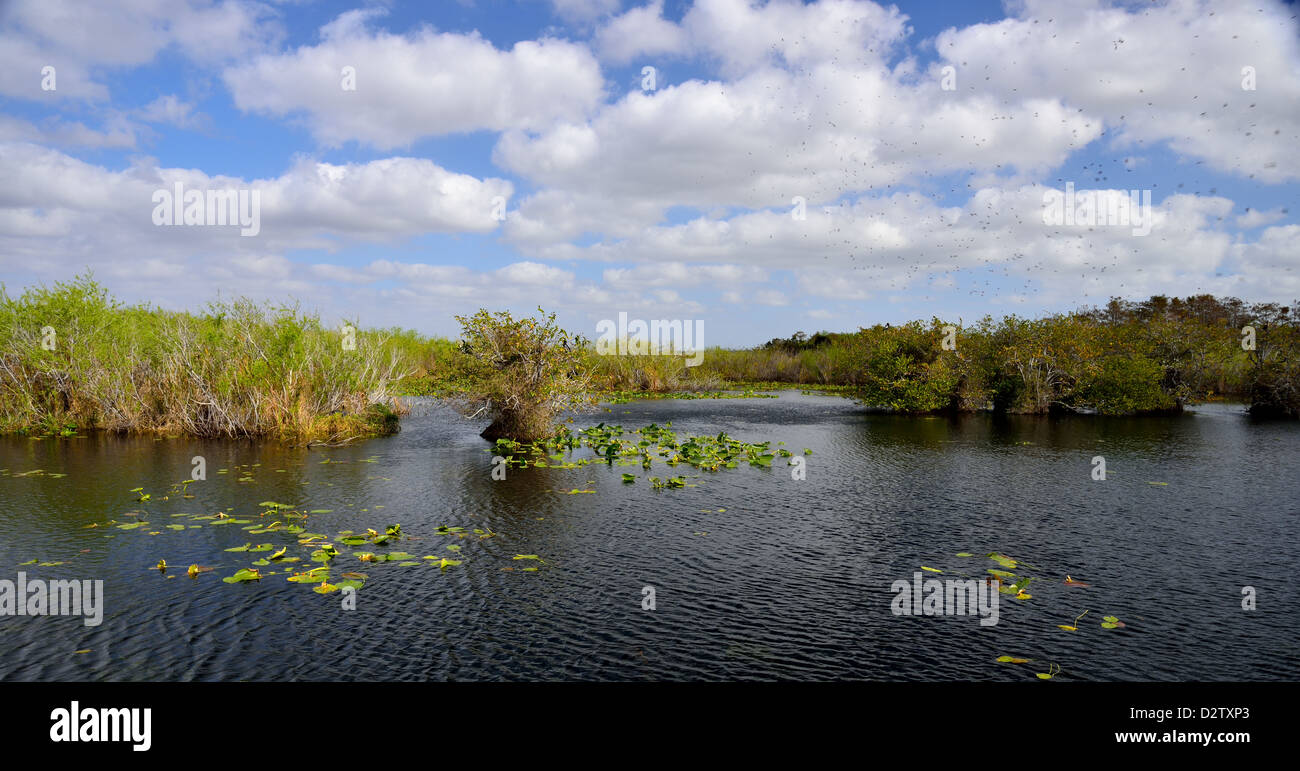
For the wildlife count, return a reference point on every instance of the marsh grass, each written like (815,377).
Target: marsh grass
(240,369)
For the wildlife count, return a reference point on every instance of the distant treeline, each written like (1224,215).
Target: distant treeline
(1152,356)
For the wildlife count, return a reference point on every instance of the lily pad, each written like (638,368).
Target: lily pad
(247,574)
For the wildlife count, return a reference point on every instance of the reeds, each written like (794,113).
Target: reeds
(73,358)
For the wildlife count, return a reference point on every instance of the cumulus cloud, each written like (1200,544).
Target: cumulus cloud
(81,39)
(810,157)
(421,84)
(313,204)
(1214,80)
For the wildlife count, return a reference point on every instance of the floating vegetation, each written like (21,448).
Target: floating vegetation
(1075,626)
(613,445)
(246,574)
(1002,560)
(1015,584)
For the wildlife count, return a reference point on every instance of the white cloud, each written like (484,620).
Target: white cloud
(1253,218)
(1170,72)
(171,110)
(640,32)
(312,204)
(80,39)
(417,85)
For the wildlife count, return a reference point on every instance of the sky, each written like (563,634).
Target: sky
(760,166)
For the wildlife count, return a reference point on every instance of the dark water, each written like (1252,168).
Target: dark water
(792,581)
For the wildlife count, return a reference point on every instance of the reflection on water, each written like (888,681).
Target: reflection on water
(757,576)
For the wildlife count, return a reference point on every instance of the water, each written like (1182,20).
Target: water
(792,581)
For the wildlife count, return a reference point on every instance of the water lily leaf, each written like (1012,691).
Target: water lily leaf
(245,547)
(1002,560)
(932,570)
(350,584)
(527,557)
(964,554)
(360,576)
(445,563)
(1012,660)
(247,574)
(262,547)
(400,555)
(279,553)
(325,588)
(262,562)
(310,577)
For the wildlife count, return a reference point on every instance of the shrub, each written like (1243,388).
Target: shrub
(523,371)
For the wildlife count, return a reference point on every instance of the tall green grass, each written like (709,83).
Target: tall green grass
(72,357)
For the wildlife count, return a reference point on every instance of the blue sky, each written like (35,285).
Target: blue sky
(923,140)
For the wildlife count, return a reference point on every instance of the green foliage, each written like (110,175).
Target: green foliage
(523,371)
(73,356)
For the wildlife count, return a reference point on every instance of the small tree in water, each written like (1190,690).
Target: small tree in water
(524,371)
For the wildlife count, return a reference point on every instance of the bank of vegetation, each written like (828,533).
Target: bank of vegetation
(1153,356)
(244,369)
(72,358)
